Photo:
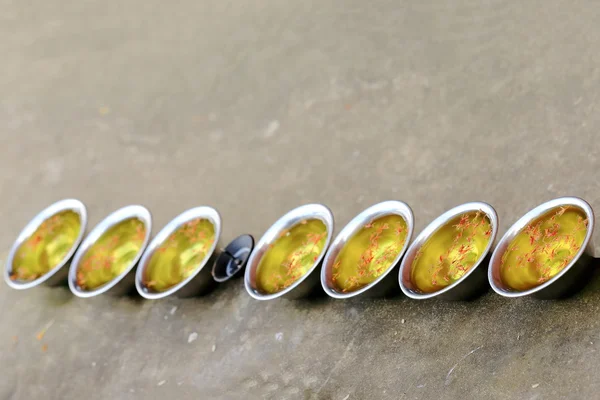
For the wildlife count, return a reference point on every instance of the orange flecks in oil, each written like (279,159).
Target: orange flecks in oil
(369,253)
(451,251)
(180,255)
(291,255)
(111,254)
(47,247)
(543,248)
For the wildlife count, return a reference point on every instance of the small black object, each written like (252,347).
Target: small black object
(233,258)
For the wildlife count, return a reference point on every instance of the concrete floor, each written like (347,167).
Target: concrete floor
(257,107)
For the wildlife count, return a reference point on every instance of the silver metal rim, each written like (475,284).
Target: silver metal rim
(376,211)
(194,213)
(521,224)
(432,229)
(118,216)
(62,205)
(290,219)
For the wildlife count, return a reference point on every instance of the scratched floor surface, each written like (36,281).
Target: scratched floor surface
(257,107)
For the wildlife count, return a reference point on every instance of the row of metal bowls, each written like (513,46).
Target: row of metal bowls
(122,283)
(474,282)
(471,283)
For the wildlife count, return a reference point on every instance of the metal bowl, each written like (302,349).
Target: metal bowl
(386,282)
(124,282)
(306,284)
(198,282)
(473,282)
(58,274)
(572,277)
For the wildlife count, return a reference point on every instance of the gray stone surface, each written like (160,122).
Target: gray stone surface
(257,107)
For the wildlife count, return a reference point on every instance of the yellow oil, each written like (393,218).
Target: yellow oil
(291,255)
(47,247)
(111,254)
(543,248)
(369,253)
(451,251)
(180,256)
